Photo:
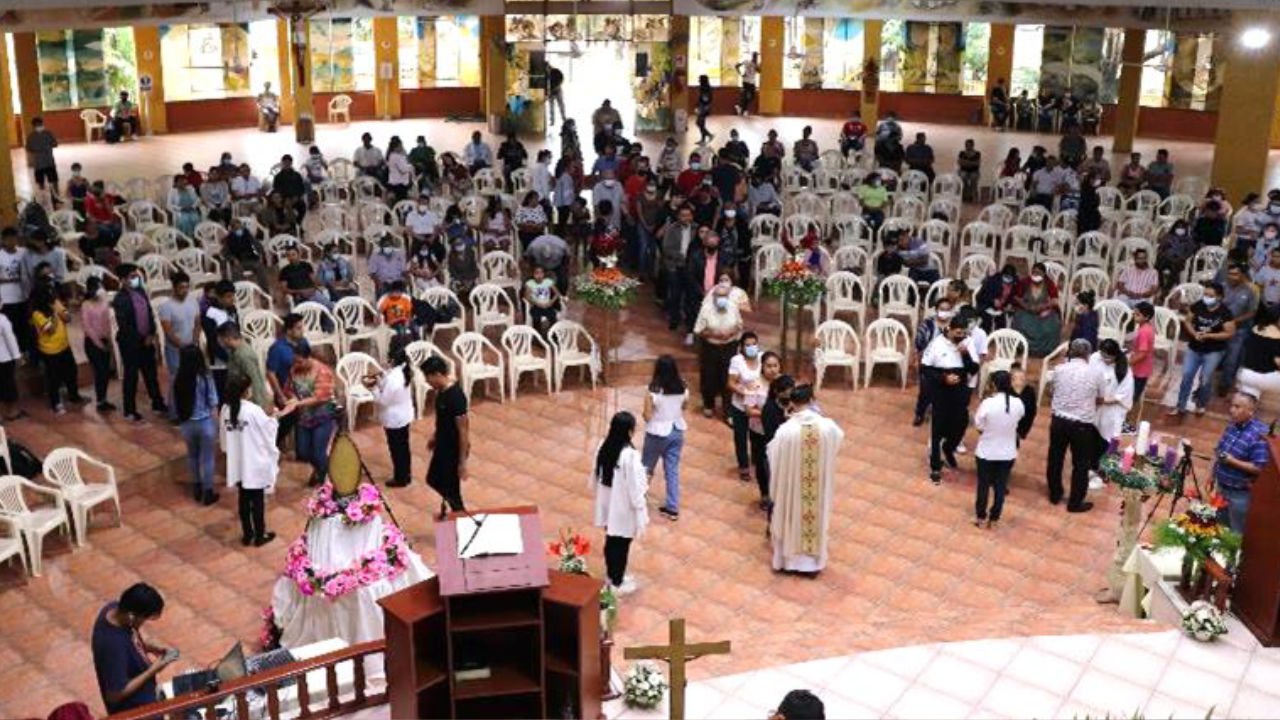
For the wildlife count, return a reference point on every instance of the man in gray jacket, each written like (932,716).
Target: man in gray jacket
(40,145)
(675,246)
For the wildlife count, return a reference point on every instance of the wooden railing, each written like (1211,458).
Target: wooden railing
(270,682)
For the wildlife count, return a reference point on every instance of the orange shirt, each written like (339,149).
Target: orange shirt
(396,309)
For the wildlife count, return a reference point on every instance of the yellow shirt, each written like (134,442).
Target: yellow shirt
(52,340)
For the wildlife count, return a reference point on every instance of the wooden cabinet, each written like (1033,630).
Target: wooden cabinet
(541,646)
(1256,596)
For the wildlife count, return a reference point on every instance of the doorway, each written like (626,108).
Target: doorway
(594,72)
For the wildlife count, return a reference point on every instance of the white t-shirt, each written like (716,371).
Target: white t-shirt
(750,72)
(241,186)
(999,428)
(942,354)
(395,399)
(11,276)
(977,350)
(668,414)
(746,375)
(421,222)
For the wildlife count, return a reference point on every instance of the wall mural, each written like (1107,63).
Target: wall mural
(1000,11)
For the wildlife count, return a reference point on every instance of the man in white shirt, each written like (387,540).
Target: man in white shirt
(609,189)
(540,178)
(1046,183)
(750,71)
(421,220)
(368,159)
(476,154)
(946,364)
(1138,282)
(245,186)
(1077,385)
(14,282)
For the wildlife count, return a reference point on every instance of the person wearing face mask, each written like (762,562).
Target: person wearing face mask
(707,262)
(137,338)
(1241,298)
(995,297)
(1269,212)
(421,221)
(669,163)
(651,213)
(610,190)
(1114,403)
(726,177)
(477,155)
(945,365)
(1268,240)
(691,177)
(735,238)
(762,196)
(736,151)
(930,328)
(718,328)
(1210,227)
(95,321)
(1210,325)
(873,196)
(744,380)
(1036,313)
(1173,252)
(387,265)
(335,275)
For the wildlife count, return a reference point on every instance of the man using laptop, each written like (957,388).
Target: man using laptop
(125,663)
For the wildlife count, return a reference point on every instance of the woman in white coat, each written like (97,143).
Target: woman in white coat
(621,484)
(253,460)
(1117,398)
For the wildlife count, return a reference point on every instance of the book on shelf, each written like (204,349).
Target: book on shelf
(475,673)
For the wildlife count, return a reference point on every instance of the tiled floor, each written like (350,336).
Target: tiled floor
(1156,675)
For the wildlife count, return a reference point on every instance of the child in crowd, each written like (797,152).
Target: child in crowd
(49,319)
(543,298)
(1086,325)
(77,188)
(396,308)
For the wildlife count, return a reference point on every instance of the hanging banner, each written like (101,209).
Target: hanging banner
(1086,61)
(915,57)
(426,30)
(1181,78)
(1055,59)
(730,52)
(947,78)
(811,65)
(652,87)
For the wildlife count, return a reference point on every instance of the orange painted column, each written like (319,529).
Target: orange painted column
(493,69)
(146,40)
(6,96)
(679,44)
(386,50)
(773,39)
(28,64)
(1247,111)
(8,183)
(1129,90)
(284,53)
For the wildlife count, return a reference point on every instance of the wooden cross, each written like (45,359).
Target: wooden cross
(676,655)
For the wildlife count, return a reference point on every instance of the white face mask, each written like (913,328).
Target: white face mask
(1210,301)
(387,250)
(135,283)
(1037,278)
(722,303)
(731,213)
(946,315)
(695,166)
(1180,232)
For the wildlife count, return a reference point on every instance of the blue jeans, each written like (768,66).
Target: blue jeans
(1237,506)
(313,447)
(646,250)
(1231,360)
(171,355)
(668,448)
(1204,364)
(201,437)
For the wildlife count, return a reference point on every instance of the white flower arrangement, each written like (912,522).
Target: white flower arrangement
(644,686)
(1203,621)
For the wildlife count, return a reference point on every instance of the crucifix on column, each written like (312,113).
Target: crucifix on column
(676,654)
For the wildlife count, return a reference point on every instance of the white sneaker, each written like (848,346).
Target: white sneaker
(960,449)
(627,587)
(1095,481)
(688,340)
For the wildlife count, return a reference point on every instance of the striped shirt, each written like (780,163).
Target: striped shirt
(1137,283)
(1243,441)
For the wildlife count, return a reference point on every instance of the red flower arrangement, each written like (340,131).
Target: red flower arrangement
(571,550)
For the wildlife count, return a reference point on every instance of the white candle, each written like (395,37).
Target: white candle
(1144,433)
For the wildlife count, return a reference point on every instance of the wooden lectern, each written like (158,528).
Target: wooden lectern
(1256,596)
(538,630)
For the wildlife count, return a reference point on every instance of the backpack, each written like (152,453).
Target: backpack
(25,463)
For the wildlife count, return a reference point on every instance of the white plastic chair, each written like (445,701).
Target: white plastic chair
(351,370)
(947,206)
(93,120)
(1143,203)
(1168,326)
(340,108)
(12,545)
(523,344)
(359,321)
(573,346)
(768,261)
(1089,278)
(887,343)
(490,306)
(947,185)
(1183,296)
(1056,244)
(846,294)
(1007,347)
(910,207)
(315,318)
(1019,242)
(156,270)
(980,238)
(62,468)
(837,346)
(765,229)
(1010,192)
(1092,249)
(1205,264)
(198,265)
(1142,227)
(1046,369)
(1035,216)
(498,267)
(417,352)
(440,298)
(1113,319)
(34,524)
(249,296)
(898,297)
(473,351)
(974,269)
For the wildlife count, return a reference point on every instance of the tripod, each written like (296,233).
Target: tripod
(1186,469)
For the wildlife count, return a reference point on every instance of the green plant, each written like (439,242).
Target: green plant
(120,58)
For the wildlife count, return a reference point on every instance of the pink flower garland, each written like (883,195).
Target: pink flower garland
(385,563)
(355,510)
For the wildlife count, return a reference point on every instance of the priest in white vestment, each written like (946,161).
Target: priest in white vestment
(802,465)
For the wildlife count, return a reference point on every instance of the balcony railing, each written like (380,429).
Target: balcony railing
(292,678)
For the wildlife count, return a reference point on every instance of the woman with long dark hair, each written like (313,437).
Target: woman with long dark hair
(1116,400)
(744,381)
(53,344)
(393,391)
(195,398)
(664,429)
(997,419)
(253,461)
(704,108)
(757,399)
(620,485)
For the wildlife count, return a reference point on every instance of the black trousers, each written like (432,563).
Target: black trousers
(950,420)
(713,373)
(20,319)
(285,429)
(993,476)
(616,550)
(748,447)
(924,399)
(60,372)
(401,458)
(674,296)
(100,362)
(139,361)
(760,458)
(540,315)
(1079,437)
(253,509)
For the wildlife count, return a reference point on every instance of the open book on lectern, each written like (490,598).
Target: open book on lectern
(489,534)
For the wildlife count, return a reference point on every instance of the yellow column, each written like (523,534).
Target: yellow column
(1000,56)
(679,44)
(1248,108)
(8,193)
(28,65)
(386,44)
(1129,89)
(870,111)
(1275,126)
(146,40)
(773,41)
(284,55)
(493,69)
(304,126)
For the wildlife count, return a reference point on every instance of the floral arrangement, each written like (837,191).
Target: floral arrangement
(269,636)
(571,550)
(1198,532)
(797,282)
(384,563)
(355,509)
(1148,477)
(1203,621)
(644,686)
(605,247)
(606,288)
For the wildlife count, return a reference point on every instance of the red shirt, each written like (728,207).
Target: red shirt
(688,181)
(99,209)
(194,179)
(853,129)
(634,188)
(1144,341)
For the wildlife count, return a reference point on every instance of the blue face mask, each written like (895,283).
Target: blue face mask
(751,351)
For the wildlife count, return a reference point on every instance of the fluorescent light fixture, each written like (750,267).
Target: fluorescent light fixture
(1255,38)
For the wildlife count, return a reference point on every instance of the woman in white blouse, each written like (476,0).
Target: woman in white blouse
(253,461)
(997,419)
(393,392)
(620,485)
(1116,400)
(718,327)
(664,429)
(744,380)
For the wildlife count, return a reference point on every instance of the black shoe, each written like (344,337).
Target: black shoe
(105,406)
(669,514)
(950,457)
(1055,500)
(1081,508)
(160,409)
(133,417)
(918,421)
(935,477)
(246,540)
(397,483)
(264,539)
(209,498)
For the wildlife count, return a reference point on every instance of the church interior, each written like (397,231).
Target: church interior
(718,373)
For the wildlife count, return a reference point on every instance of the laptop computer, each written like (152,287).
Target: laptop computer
(232,666)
